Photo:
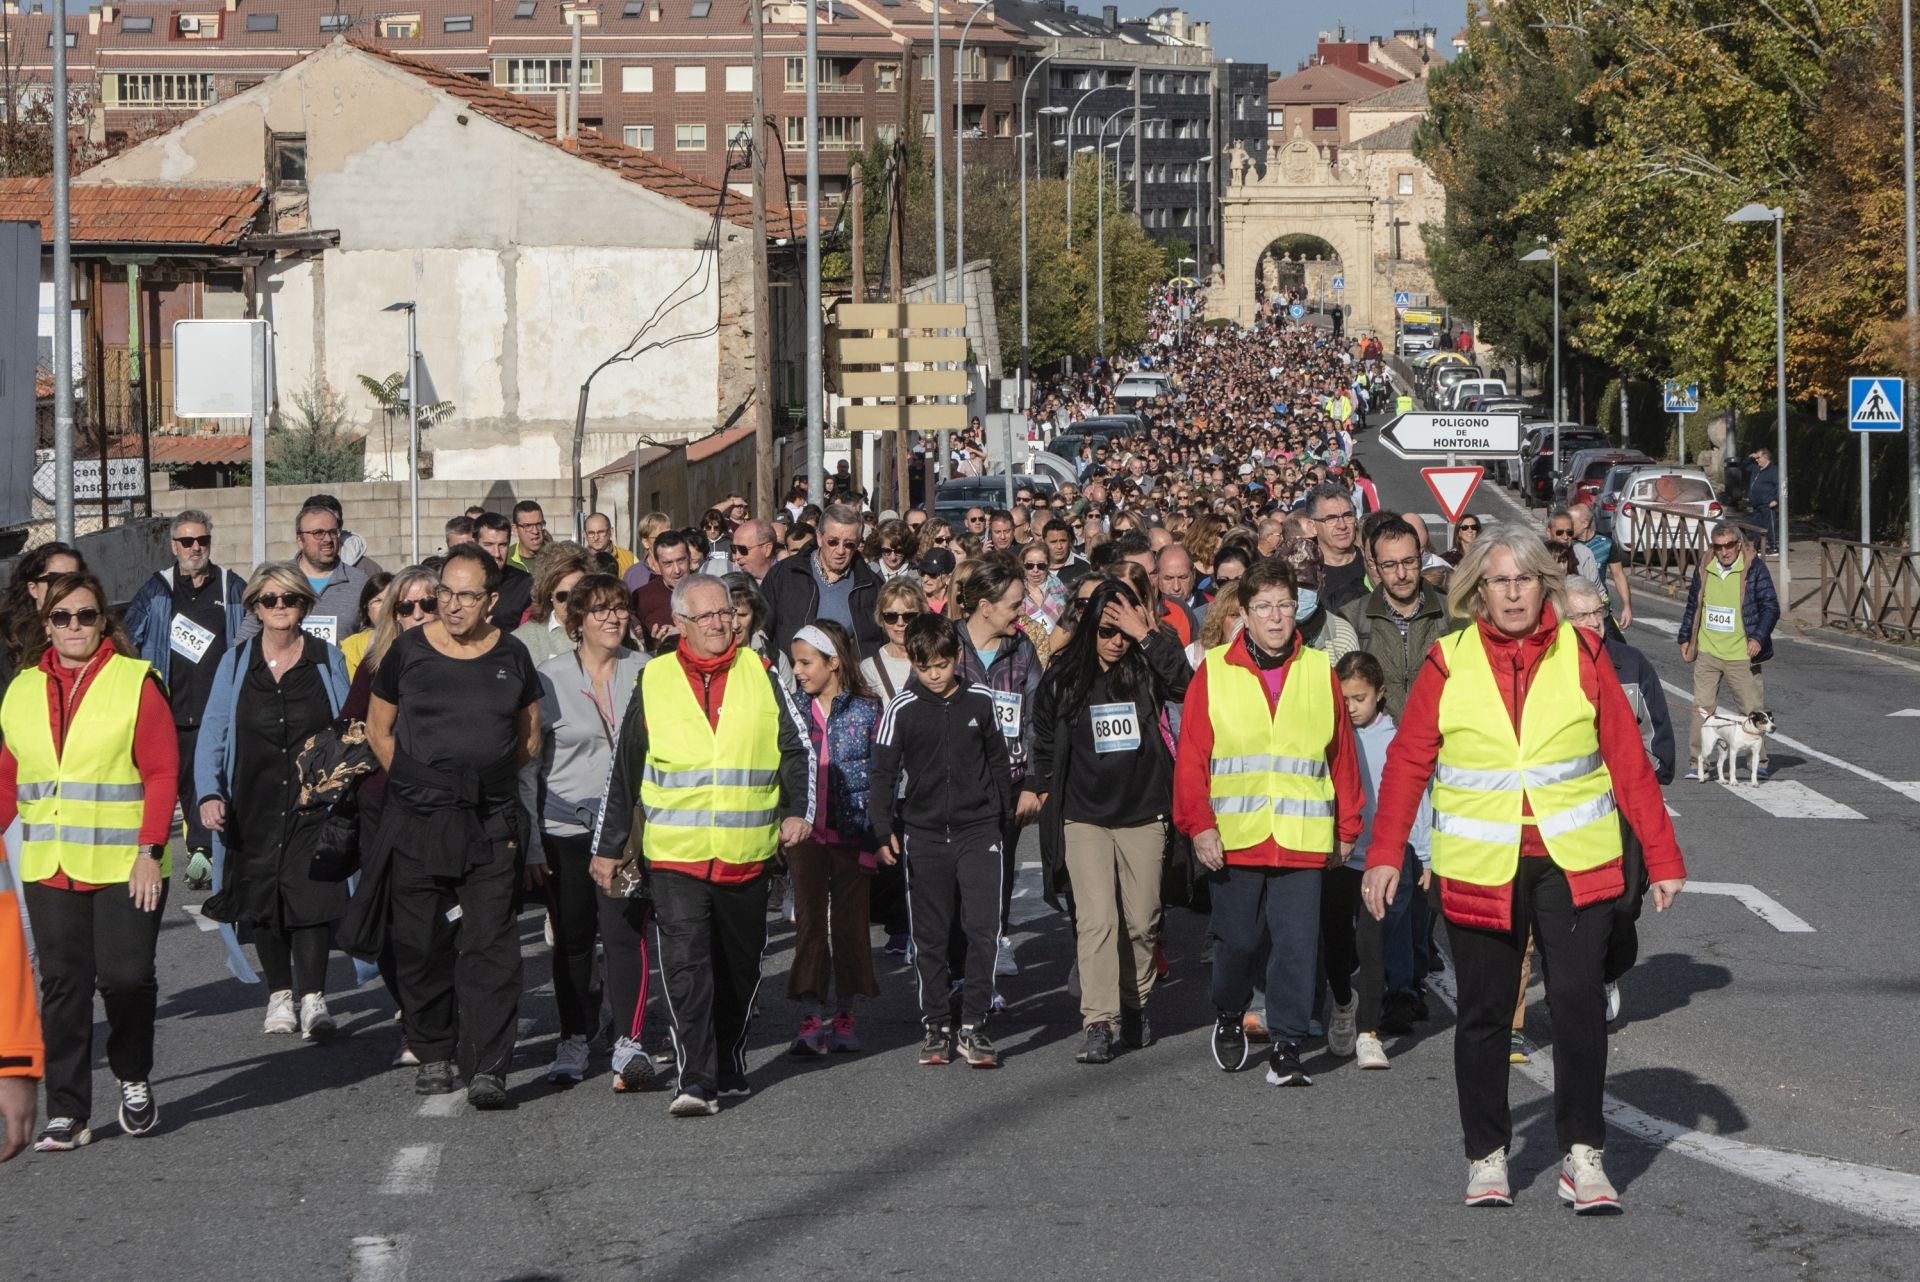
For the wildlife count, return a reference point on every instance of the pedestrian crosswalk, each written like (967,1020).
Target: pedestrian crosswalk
(1791,799)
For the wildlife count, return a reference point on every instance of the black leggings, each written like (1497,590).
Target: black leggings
(1352,940)
(294,952)
(571,897)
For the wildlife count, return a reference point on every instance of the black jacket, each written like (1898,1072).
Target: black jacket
(955,761)
(793,599)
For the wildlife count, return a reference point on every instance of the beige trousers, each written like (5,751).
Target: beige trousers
(1116,903)
(1744,683)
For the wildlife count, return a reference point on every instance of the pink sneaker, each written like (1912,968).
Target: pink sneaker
(811,1039)
(844,1038)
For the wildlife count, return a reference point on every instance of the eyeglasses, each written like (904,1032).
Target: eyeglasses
(425,605)
(1272,609)
(1404,563)
(1512,584)
(274,600)
(618,610)
(1335,518)
(1718,546)
(194,540)
(711,619)
(467,599)
(899,616)
(1598,612)
(529,525)
(83,618)
(332,533)
(840,543)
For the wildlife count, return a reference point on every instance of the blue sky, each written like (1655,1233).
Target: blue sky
(1281,32)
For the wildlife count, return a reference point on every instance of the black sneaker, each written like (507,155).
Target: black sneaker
(937,1048)
(1230,1045)
(63,1135)
(974,1047)
(1417,1008)
(139,1113)
(1099,1045)
(487,1092)
(1135,1031)
(1396,1015)
(734,1088)
(434,1078)
(1283,1066)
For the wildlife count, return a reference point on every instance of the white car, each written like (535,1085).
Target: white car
(1457,394)
(1663,508)
(1133,390)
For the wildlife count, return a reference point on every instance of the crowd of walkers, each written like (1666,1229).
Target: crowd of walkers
(1214,673)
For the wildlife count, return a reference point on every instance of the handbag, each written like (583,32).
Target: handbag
(332,764)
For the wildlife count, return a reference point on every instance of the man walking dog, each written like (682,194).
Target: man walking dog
(1726,633)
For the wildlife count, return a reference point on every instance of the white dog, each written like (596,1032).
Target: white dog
(1729,737)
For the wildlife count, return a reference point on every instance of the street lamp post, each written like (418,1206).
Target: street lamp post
(1100,219)
(413,430)
(1913,283)
(1021,142)
(816,346)
(1200,212)
(1777,215)
(1183,292)
(1073,114)
(1552,255)
(960,152)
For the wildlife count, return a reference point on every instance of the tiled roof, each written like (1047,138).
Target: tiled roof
(1395,137)
(137,213)
(536,119)
(1325,85)
(1408,96)
(224,449)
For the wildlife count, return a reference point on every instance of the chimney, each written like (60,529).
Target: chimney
(1110,14)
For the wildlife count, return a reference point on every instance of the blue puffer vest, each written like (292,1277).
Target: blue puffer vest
(851,725)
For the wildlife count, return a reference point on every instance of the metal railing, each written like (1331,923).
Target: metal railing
(1670,544)
(1870,588)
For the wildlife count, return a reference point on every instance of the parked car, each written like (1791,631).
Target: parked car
(1134,391)
(1651,491)
(954,497)
(1607,502)
(1455,396)
(1580,483)
(1444,378)
(1543,474)
(1531,435)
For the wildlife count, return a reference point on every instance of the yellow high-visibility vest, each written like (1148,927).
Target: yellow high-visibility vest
(80,807)
(707,793)
(1268,774)
(1486,771)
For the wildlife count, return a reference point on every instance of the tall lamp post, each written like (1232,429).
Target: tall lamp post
(1073,114)
(1776,214)
(1100,221)
(1913,282)
(1183,292)
(960,152)
(413,431)
(1200,211)
(1026,86)
(816,347)
(1551,254)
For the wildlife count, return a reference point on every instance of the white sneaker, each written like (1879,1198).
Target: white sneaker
(1003,962)
(1584,1183)
(1613,1002)
(688,1104)
(569,1060)
(316,1023)
(1369,1053)
(1487,1180)
(281,1016)
(1343,1027)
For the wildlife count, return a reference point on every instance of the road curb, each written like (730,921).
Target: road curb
(1855,641)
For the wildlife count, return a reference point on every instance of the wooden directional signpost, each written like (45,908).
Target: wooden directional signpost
(903,367)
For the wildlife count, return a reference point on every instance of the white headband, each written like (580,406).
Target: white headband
(818,640)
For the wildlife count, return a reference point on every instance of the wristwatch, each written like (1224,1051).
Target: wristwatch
(154,853)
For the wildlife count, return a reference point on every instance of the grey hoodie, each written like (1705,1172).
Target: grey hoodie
(562,786)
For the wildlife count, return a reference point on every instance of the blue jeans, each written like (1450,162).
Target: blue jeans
(1280,909)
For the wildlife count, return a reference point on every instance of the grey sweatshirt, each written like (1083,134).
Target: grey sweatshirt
(562,786)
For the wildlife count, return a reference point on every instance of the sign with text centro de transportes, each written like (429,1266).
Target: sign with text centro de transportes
(1439,435)
(1681,398)
(1876,404)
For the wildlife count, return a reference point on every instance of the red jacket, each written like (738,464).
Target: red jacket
(1192,769)
(1416,748)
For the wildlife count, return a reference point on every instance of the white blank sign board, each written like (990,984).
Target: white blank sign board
(213,367)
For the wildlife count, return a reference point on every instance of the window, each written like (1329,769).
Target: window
(924,62)
(545,75)
(525,8)
(1277,118)
(156,88)
(701,9)
(457,25)
(400,26)
(926,124)
(740,79)
(1325,118)
(73,38)
(796,75)
(837,133)
(1406,184)
(690,80)
(335,22)
(886,77)
(1000,67)
(640,136)
(1002,124)
(886,131)
(636,79)
(632,8)
(287,160)
(263,22)
(689,137)
(136,26)
(739,134)
(975,66)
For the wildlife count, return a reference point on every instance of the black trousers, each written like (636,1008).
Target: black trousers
(623,928)
(710,937)
(576,922)
(1352,940)
(1573,947)
(92,939)
(887,902)
(456,953)
(953,883)
(197,838)
(1623,943)
(293,958)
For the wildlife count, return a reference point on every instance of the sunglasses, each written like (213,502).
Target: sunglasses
(1035,565)
(85,618)
(841,543)
(45,580)
(1470,529)
(425,605)
(941,540)
(899,616)
(274,600)
(1108,632)
(560,597)
(744,549)
(194,540)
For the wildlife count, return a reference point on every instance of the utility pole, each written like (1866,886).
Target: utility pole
(763,495)
(574,21)
(62,292)
(856,222)
(896,256)
(939,224)
(1913,288)
(816,430)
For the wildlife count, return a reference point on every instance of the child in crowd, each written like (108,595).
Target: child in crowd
(943,736)
(1351,937)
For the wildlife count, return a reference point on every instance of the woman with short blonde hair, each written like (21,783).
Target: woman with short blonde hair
(280,577)
(1465,600)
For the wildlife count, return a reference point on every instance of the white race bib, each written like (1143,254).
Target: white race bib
(188,638)
(1720,618)
(324,626)
(1116,727)
(1006,711)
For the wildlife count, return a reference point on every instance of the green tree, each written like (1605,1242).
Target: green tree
(314,446)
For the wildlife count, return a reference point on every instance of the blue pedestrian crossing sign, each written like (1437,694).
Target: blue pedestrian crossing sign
(1339,284)
(1876,404)
(1402,298)
(1681,398)
(1296,311)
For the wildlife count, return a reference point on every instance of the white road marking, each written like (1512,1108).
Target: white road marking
(523,1027)
(1761,904)
(206,924)
(1908,790)
(441,1105)
(1791,799)
(1906,712)
(412,1169)
(1668,626)
(1872,1191)
(378,1259)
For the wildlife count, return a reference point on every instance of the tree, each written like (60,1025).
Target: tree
(316,447)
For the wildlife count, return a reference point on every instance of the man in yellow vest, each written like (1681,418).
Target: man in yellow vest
(715,757)
(1267,783)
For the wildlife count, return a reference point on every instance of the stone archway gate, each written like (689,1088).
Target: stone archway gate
(1296,192)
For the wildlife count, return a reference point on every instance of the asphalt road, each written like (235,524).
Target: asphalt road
(1767,1120)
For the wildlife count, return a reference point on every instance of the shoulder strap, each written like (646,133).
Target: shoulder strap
(880,670)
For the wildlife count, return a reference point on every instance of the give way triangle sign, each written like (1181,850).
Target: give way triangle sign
(1452,486)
